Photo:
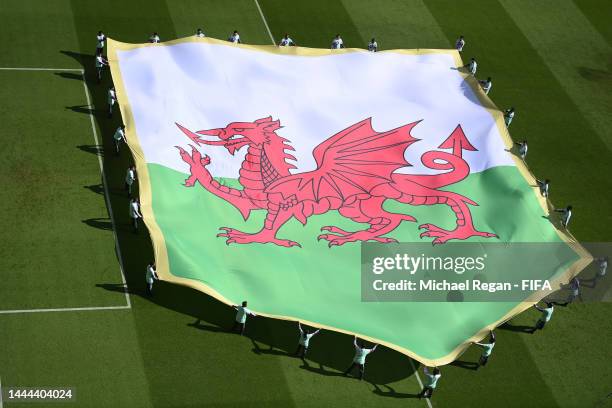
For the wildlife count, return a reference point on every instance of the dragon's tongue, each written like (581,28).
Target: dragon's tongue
(212,142)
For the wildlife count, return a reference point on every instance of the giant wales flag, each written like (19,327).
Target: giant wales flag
(263,169)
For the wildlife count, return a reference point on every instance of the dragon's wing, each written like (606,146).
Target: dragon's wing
(351,162)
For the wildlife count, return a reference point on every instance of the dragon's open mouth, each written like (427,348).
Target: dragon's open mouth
(235,143)
(230,141)
(234,140)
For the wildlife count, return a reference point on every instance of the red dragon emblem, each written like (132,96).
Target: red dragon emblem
(355,174)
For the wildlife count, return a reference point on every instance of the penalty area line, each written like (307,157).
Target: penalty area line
(416,373)
(106,194)
(64,309)
(40,69)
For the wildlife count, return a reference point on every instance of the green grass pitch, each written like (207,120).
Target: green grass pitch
(551,59)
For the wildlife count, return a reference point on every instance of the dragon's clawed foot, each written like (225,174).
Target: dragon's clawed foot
(263,237)
(334,230)
(441,235)
(344,237)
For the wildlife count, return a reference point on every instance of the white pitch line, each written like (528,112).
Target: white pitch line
(40,69)
(106,194)
(416,372)
(265,22)
(64,309)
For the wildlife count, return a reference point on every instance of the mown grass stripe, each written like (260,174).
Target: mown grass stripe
(574,52)
(312,23)
(218,20)
(598,12)
(396,24)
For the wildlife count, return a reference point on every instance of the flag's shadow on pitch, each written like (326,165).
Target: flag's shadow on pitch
(83,59)
(99,189)
(330,353)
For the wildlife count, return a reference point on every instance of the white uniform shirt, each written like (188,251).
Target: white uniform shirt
(305,338)
(112,98)
(487,348)
(101,39)
(130,176)
(235,38)
(575,287)
(135,210)
(603,266)
(566,217)
(119,134)
(337,43)
(486,87)
(200,34)
(154,39)
(543,188)
(373,46)
(547,313)
(460,44)
(100,61)
(286,42)
(361,353)
(523,150)
(151,275)
(242,313)
(432,379)
(472,67)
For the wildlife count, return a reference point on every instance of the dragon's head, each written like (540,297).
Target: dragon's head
(238,134)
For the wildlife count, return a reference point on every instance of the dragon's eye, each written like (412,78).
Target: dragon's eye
(239,130)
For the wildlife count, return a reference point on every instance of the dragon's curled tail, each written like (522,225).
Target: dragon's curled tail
(432,159)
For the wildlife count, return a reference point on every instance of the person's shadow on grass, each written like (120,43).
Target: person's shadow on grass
(99,223)
(93,149)
(95,188)
(391,392)
(319,370)
(553,220)
(591,283)
(468,365)
(518,328)
(81,109)
(69,75)
(270,350)
(201,326)
(116,287)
